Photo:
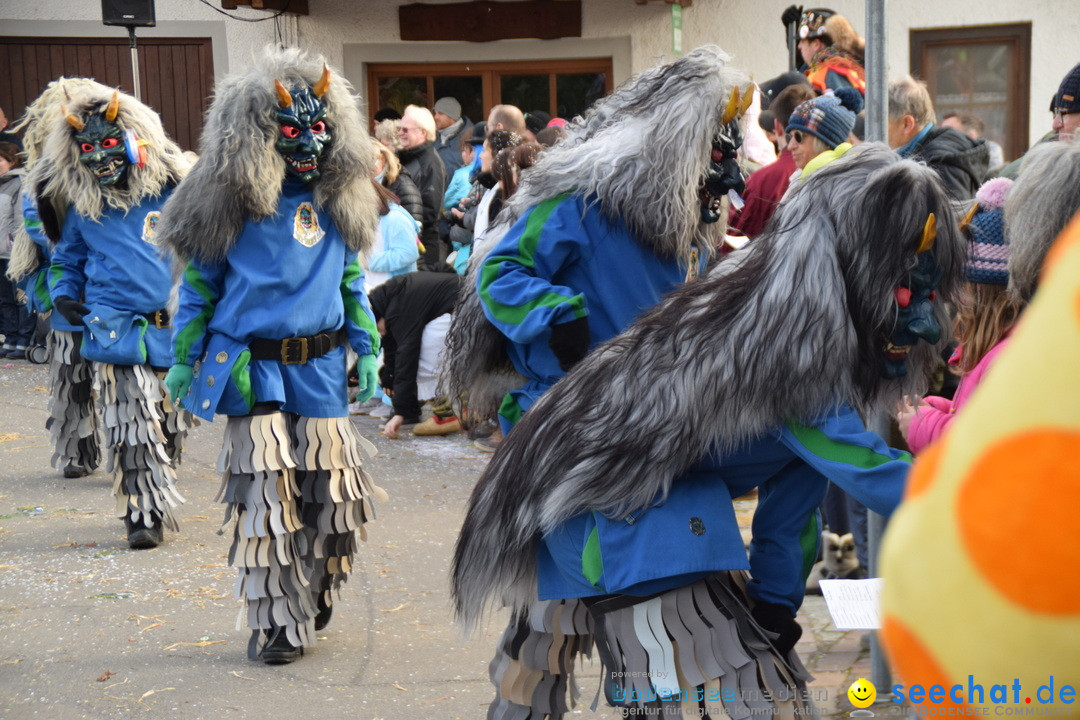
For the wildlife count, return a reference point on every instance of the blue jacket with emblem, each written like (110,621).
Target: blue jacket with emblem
(287,276)
(114,265)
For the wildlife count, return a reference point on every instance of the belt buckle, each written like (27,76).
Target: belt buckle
(159,320)
(287,356)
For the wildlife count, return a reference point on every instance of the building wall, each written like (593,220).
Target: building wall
(754,35)
(351,34)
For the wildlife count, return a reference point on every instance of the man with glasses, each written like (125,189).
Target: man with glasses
(416,133)
(1066,106)
(960,162)
(1065,112)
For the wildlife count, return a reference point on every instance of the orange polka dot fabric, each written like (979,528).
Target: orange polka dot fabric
(982,560)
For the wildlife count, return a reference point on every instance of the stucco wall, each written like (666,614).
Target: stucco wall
(754,35)
(352,33)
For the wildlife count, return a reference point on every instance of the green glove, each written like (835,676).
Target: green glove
(368,377)
(178,381)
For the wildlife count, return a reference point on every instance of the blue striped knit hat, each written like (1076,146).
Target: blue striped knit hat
(988,250)
(829,117)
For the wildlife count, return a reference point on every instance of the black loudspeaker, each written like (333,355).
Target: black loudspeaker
(135,13)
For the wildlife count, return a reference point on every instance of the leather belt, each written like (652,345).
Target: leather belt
(159,318)
(296,350)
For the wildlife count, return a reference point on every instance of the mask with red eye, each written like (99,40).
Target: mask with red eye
(915,316)
(102,150)
(304,134)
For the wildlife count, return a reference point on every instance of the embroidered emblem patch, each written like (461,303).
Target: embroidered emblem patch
(697,526)
(149,228)
(306,228)
(695,262)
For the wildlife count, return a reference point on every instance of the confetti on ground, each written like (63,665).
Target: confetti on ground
(393,610)
(203,644)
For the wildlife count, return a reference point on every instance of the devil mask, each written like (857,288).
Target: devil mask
(101,145)
(304,134)
(915,319)
(723,173)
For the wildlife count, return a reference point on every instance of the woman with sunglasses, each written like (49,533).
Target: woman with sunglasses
(819,128)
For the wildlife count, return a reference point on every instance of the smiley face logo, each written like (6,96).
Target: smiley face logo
(862,693)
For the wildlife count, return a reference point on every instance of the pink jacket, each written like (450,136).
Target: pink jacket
(931,420)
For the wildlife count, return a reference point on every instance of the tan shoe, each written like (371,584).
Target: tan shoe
(436,425)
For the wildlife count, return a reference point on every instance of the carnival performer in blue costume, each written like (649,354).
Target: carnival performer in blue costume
(272,220)
(108,155)
(616,486)
(73,422)
(608,221)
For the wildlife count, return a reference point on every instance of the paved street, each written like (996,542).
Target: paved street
(91,629)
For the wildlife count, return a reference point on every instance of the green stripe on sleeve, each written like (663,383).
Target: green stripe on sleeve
(530,239)
(194,330)
(354,311)
(832,450)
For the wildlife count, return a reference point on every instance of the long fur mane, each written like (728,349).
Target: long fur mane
(239,173)
(36,123)
(640,154)
(59,175)
(788,328)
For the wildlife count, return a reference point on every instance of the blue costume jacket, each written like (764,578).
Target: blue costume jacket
(118,271)
(560,261)
(289,275)
(695,533)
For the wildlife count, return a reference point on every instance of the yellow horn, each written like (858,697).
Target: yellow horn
(747,98)
(324,82)
(114,107)
(966,220)
(73,121)
(732,107)
(929,234)
(283,97)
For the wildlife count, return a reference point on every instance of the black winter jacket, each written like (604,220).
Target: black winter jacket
(408,195)
(960,162)
(407,303)
(426,169)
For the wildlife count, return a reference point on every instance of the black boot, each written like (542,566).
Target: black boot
(326,609)
(278,650)
(141,537)
(71,470)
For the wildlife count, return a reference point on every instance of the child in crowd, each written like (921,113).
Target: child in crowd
(985,316)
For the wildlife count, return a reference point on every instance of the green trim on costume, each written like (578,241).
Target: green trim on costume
(194,330)
(55,274)
(530,239)
(592,560)
(241,377)
(41,291)
(354,311)
(808,542)
(509,409)
(829,449)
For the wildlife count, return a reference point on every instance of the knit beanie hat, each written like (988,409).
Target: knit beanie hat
(449,107)
(1068,95)
(988,251)
(829,117)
